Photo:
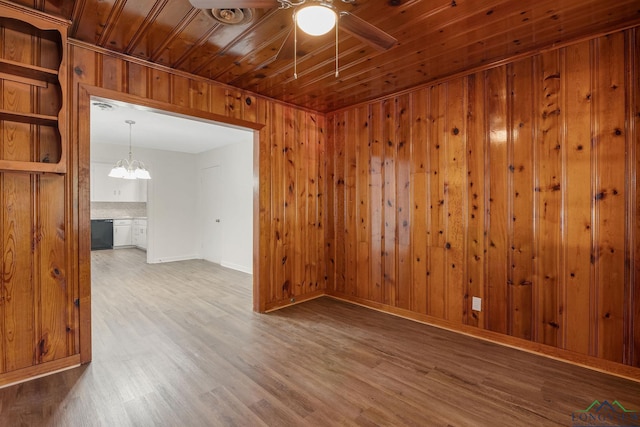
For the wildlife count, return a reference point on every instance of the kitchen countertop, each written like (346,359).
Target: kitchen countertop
(121,217)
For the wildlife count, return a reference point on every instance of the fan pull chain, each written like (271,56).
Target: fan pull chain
(337,49)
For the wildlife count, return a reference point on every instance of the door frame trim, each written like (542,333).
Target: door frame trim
(80,137)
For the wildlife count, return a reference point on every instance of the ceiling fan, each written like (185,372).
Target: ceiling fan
(314,17)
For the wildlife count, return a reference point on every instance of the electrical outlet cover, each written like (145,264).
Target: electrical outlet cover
(476,304)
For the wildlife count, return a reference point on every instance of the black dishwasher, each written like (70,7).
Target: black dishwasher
(101,234)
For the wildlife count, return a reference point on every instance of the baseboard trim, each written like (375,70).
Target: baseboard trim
(273,306)
(173,259)
(32,372)
(236,267)
(589,362)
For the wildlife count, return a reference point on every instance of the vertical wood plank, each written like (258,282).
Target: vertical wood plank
(80,157)
(499,209)
(233,103)
(340,204)
(218,103)
(455,192)
(436,298)
(362,199)
(521,168)
(376,204)
(262,170)
(609,199)
(289,201)
(330,203)
(112,74)
(83,63)
(577,107)
(137,79)
(179,87)
(419,171)
(53,281)
(351,220)
(549,198)
(634,87)
(403,200)
(199,95)
(277,205)
(18,293)
(160,86)
(476,251)
(249,111)
(389,200)
(309,254)
(319,262)
(299,236)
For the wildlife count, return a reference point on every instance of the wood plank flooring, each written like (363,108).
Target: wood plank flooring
(177,345)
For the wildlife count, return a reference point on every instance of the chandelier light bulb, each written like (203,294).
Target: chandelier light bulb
(316,20)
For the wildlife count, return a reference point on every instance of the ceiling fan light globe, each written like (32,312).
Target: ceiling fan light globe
(316,20)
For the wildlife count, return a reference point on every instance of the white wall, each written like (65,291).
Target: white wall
(236,201)
(174,193)
(172,200)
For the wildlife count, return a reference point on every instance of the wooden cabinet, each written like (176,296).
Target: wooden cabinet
(107,189)
(122,232)
(32,90)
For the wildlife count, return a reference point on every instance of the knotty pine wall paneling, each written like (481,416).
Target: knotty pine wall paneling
(634,201)
(290,252)
(38,289)
(520,193)
(611,147)
(517,184)
(548,195)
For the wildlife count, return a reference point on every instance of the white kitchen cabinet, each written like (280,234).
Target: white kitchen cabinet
(107,189)
(122,232)
(140,233)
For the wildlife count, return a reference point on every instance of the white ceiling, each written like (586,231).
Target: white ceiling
(159,130)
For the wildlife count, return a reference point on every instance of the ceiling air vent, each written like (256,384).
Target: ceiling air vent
(231,16)
(103,106)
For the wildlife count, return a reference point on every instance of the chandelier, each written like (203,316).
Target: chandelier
(129,168)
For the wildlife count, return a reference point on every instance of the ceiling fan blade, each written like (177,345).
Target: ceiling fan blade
(366,32)
(234,4)
(288,46)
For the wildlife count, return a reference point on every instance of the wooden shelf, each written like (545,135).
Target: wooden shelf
(18,166)
(30,71)
(47,40)
(36,119)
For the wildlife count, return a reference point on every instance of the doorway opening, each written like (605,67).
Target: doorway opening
(198,204)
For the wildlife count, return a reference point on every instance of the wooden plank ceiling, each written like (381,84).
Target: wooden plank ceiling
(436,38)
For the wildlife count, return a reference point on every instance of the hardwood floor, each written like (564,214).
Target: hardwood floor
(177,345)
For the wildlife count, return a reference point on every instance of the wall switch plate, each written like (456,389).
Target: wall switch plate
(476,304)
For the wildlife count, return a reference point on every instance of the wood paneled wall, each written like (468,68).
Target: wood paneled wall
(38,317)
(517,185)
(45,305)
(290,253)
